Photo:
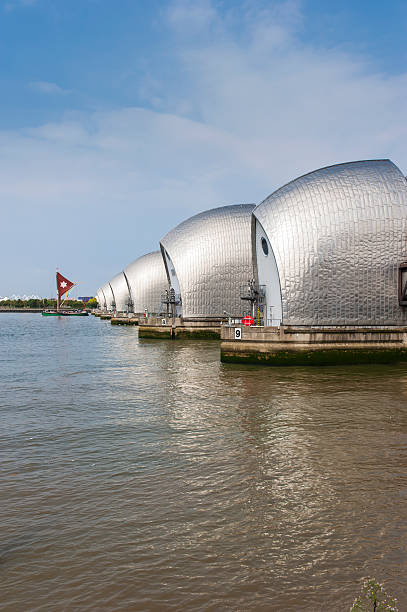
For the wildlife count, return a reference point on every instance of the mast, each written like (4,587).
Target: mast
(57,291)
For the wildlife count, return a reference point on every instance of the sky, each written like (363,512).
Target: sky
(121,118)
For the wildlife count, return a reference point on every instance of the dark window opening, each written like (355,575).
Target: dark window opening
(403,284)
(264,246)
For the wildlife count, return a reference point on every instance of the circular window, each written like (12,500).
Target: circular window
(264,246)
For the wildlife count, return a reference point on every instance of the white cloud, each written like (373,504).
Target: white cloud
(294,107)
(113,182)
(48,88)
(256,107)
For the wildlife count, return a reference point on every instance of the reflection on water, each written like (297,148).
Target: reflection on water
(145,475)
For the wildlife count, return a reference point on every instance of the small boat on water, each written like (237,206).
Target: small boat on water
(63,286)
(64,313)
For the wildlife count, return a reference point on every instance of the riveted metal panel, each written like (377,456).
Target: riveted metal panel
(338,236)
(120,292)
(147,280)
(103,303)
(100,299)
(211,254)
(107,291)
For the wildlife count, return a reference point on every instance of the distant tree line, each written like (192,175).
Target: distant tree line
(46,303)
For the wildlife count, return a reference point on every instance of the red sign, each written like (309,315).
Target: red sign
(248,320)
(63,284)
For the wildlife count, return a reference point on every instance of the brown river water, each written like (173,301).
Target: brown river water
(146,475)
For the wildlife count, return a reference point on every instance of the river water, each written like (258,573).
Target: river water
(145,475)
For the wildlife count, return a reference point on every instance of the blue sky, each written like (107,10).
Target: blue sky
(118,119)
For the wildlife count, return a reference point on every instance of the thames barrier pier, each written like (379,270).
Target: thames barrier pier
(287,346)
(165,327)
(329,252)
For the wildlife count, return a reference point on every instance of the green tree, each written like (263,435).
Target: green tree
(374,598)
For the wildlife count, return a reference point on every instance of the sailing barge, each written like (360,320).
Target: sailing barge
(63,286)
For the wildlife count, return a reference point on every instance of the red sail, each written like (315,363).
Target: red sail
(63,284)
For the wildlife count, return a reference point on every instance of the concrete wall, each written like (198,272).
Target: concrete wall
(301,346)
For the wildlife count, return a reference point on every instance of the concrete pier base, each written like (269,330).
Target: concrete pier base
(105,317)
(165,328)
(285,346)
(124,320)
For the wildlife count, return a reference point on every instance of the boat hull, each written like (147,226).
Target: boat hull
(63,313)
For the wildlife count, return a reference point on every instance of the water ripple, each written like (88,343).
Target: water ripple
(148,476)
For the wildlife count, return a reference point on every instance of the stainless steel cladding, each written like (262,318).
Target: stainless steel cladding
(208,258)
(107,292)
(147,281)
(329,244)
(120,292)
(103,305)
(100,299)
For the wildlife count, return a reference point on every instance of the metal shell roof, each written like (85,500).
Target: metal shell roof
(211,254)
(108,294)
(100,298)
(120,292)
(147,281)
(338,236)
